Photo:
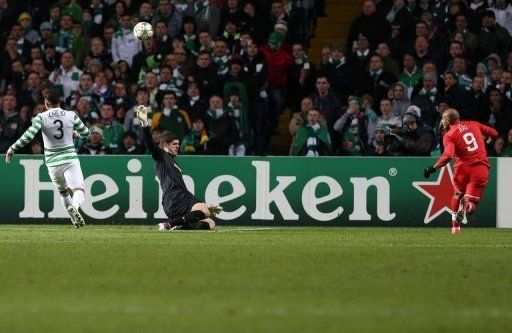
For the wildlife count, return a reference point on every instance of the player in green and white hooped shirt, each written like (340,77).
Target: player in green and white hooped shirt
(58,126)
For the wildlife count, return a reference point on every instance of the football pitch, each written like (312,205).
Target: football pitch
(244,279)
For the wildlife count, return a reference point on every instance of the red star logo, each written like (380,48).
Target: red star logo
(439,192)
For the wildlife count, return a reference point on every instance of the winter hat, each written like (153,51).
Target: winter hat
(45,26)
(24,16)
(281,25)
(96,129)
(413,110)
(484,66)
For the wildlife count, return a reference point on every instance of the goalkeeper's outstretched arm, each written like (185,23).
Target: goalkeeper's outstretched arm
(25,138)
(142,114)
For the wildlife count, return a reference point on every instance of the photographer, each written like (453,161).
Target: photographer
(415,138)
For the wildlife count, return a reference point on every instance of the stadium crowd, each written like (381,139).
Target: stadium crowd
(220,74)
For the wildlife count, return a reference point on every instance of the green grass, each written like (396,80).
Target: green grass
(135,279)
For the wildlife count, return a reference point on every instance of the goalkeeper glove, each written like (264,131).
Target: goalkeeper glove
(142,114)
(428,171)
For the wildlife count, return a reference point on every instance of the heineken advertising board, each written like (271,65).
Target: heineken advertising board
(273,191)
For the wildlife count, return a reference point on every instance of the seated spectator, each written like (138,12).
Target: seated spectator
(411,75)
(168,82)
(11,124)
(171,118)
(398,95)
(130,146)
(298,118)
(31,95)
(196,141)
(98,52)
(113,131)
(36,147)
(170,16)
(278,61)
(483,73)
(455,95)
(163,41)
(460,70)
(500,115)
(376,81)
(204,74)
(369,23)
(94,145)
(326,102)
(124,44)
(238,109)
(415,138)
(361,54)
(301,76)
(340,73)
(477,101)
(422,52)
(507,150)
(255,65)
(427,99)
(312,138)
(85,91)
(396,41)
(131,121)
(470,38)
(67,78)
(390,64)
(497,148)
(221,126)
(355,127)
(192,103)
(387,118)
(377,146)
(31,35)
(206,15)
(206,42)
(493,38)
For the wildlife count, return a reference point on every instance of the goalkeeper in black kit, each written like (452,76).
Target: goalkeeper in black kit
(184,210)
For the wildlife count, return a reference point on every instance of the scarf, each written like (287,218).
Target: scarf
(222,63)
(337,63)
(216,113)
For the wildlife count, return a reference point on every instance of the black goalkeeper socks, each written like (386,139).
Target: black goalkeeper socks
(192,216)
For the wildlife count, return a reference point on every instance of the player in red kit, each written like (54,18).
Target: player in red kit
(465,141)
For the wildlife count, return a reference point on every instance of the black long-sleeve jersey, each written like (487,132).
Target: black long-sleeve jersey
(176,199)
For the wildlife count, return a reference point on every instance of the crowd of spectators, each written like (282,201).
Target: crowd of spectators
(405,63)
(219,74)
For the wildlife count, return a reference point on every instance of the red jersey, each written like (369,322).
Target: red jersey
(465,142)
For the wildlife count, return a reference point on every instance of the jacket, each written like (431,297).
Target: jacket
(278,62)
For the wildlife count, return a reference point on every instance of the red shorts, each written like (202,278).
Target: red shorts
(471,180)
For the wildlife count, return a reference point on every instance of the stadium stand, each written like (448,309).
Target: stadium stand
(245,74)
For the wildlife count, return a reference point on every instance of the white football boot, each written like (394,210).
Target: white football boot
(76,217)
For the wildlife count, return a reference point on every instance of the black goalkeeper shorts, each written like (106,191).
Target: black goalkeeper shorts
(179,204)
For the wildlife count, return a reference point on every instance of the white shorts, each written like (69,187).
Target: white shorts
(67,175)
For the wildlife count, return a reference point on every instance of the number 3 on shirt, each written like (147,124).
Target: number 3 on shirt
(470,140)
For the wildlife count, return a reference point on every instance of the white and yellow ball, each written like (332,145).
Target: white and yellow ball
(143,31)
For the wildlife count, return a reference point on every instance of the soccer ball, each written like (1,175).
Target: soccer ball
(143,31)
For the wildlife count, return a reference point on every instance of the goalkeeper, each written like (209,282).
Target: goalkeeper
(183,209)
